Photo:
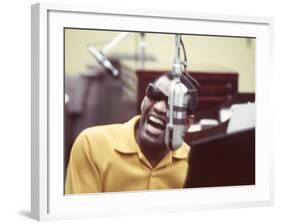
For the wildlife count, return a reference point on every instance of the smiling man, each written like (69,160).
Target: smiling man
(132,156)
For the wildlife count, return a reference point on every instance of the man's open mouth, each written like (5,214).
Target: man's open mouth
(156,122)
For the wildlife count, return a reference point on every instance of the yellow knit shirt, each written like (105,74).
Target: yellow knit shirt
(108,159)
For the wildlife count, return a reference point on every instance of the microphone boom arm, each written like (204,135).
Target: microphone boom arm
(100,55)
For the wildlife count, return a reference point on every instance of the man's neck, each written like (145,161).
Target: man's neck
(154,156)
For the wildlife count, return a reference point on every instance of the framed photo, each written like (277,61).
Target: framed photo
(66,39)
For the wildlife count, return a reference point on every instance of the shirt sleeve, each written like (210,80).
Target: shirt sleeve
(82,174)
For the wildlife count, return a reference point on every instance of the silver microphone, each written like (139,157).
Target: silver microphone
(177,104)
(103,60)
(176,114)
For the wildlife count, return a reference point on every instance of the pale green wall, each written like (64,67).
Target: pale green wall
(205,53)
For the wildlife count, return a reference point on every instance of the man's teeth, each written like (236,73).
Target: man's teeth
(156,120)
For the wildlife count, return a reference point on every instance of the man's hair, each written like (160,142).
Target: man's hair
(192,85)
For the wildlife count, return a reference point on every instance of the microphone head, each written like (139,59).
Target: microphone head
(103,61)
(176,115)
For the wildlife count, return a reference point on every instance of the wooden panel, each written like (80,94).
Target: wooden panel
(223,160)
(191,137)
(216,88)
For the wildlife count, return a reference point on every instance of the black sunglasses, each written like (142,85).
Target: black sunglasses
(155,94)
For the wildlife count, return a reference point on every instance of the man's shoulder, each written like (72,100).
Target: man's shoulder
(100,141)
(111,130)
(102,131)
(109,136)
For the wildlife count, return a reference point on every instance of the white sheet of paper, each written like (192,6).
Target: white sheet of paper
(243,117)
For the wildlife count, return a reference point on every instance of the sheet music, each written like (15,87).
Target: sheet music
(243,117)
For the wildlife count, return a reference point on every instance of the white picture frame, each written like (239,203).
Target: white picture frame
(48,201)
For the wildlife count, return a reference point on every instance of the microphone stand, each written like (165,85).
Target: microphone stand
(177,69)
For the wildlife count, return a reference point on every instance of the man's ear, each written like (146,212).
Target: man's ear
(189,121)
(142,104)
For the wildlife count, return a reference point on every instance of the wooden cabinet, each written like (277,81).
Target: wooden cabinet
(216,88)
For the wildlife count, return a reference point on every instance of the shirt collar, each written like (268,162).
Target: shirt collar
(126,141)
